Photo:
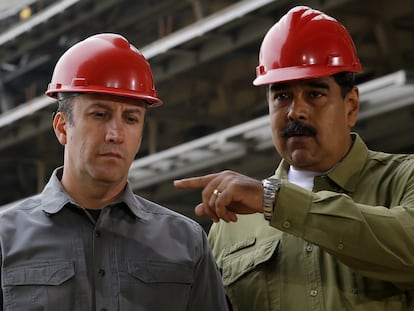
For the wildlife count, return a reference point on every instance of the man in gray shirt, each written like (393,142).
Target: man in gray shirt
(87,242)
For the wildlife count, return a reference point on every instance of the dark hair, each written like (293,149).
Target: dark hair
(345,80)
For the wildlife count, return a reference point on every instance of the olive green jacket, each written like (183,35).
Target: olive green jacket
(348,245)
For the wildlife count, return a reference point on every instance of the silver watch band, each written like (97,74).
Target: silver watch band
(270,188)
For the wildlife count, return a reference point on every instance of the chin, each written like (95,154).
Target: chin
(108,176)
(301,158)
(301,166)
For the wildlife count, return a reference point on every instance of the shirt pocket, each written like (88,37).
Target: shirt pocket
(39,285)
(147,281)
(245,270)
(245,256)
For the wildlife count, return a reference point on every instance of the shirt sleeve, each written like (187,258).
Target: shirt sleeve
(208,292)
(375,241)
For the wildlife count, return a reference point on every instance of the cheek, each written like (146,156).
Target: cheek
(134,139)
(278,120)
(333,131)
(138,144)
(277,124)
(77,140)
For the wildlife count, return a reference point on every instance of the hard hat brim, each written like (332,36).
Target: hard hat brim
(152,101)
(302,73)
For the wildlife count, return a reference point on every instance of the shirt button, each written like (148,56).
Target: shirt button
(313,293)
(98,234)
(101,272)
(340,246)
(286,224)
(309,248)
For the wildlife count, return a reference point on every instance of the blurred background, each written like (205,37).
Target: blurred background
(203,54)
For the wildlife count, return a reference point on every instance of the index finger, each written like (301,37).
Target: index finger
(194,182)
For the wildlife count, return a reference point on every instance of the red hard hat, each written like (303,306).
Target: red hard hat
(107,64)
(305,44)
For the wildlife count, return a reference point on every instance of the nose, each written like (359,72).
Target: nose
(298,109)
(114,131)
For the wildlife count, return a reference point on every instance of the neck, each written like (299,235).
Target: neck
(92,194)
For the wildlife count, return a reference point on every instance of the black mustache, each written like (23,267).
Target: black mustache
(296,128)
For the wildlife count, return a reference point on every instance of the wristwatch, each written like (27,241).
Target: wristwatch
(271,187)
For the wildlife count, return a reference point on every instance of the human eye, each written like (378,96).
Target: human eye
(281,96)
(131,118)
(99,114)
(316,94)
(317,97)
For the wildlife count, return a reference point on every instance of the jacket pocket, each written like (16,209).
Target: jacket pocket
(39,285)
(245,256)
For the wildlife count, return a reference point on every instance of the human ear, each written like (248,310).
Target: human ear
(59,126)
(352,106)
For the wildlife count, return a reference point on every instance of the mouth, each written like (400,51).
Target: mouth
(298,137)
(298,134)
(115,155)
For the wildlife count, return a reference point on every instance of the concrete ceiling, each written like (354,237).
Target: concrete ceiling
(204,54)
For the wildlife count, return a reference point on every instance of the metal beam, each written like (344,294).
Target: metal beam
(202,27)
(37,19)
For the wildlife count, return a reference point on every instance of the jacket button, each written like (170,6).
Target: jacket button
(286,224)
(313,293)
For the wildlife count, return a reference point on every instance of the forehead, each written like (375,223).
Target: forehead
(88,99)
(324,82)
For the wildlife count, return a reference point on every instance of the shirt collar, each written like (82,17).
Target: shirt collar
(54,197)
(346,173)
(133,203)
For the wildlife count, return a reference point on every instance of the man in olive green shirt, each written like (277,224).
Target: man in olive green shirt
(338,226)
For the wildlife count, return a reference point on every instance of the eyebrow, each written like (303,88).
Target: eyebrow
(132,109)
(278,86)
(311,83)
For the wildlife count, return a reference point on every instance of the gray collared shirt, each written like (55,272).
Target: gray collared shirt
(136,256)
